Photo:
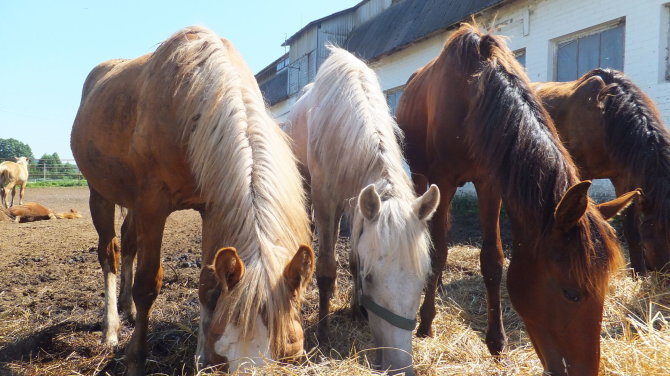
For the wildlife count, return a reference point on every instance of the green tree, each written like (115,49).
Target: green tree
(11,147)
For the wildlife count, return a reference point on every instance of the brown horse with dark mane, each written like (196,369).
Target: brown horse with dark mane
(614,131)
(469,115)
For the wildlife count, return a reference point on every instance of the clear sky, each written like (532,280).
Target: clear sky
(47,48)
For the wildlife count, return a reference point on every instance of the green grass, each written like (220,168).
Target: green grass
(59,183)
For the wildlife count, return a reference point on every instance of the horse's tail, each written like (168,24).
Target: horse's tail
(4,175)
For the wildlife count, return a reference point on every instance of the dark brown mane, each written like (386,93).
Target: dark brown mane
(530,164)
(636,138)
(510,133)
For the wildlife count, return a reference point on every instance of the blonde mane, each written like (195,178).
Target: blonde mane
(244,169)
(350,126)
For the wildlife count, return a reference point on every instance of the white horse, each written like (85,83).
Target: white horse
(11,175)
(348,142)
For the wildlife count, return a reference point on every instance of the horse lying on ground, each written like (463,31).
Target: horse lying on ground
(346,140)
(186,127)
(11,175)
(32,211)
(613,130)
(469,115)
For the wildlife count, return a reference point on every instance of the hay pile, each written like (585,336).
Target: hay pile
(46,332)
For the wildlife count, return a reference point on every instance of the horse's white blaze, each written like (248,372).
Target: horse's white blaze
(240,353)
(110,323)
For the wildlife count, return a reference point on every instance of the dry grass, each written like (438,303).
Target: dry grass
(51,332)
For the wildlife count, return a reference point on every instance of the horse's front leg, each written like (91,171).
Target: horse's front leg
(149,217)
(102,214)
(209,288)
(631,230)
(438,232)
(491,260)
(327,223)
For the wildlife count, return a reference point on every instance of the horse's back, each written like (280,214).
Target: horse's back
(13,172)
(31,211)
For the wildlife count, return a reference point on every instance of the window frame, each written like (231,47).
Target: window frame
(596,29)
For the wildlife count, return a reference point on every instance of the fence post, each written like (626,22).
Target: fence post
(44,169)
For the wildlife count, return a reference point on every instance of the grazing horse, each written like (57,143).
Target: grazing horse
(11,175)
(186,127)
(469,115)
(614,131)
(347,140)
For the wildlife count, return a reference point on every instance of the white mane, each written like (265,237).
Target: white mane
(353,137)
(244,169)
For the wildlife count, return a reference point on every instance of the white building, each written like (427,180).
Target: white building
(557,40)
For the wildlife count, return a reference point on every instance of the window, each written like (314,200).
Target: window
(521,56)
(600,47)
(393,98)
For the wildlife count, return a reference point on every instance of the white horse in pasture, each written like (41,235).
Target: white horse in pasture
(11,175)
(348,143)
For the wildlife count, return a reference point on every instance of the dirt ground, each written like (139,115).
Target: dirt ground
(51,297)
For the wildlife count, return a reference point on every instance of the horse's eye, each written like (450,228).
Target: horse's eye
(572,295)
(368,278)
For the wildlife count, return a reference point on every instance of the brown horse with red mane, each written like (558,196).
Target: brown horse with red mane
(614,131)
(469,115)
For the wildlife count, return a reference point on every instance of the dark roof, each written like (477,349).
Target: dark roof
(410,21)
(270,69)
(316,22)
(275,89)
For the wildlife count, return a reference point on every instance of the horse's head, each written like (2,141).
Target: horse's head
(391,259)
(246,332)
(22,160)
(558,281)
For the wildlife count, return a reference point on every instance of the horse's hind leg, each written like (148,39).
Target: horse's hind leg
(128,252)
(22,192)
(4,193)
(438,232)
(102,214)
(13,188)
(327,223)
(491,260)
(149,217)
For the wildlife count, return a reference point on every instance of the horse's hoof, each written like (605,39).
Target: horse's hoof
(423,332)
(496,348)
(135,370)
(110,340)
(323,335)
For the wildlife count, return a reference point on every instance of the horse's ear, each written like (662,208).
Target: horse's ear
(369,202)
(610,209)
(572,206)
(299,271)
(228,267)
(591,89)
(425,206)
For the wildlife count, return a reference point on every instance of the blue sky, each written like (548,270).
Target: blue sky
(48,47)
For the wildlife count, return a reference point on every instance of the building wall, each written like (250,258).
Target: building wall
(535,25)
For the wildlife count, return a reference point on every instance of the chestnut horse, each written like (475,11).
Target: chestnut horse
(469,115)
(11,175)
(346,138)
(614,131)
(186,127)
